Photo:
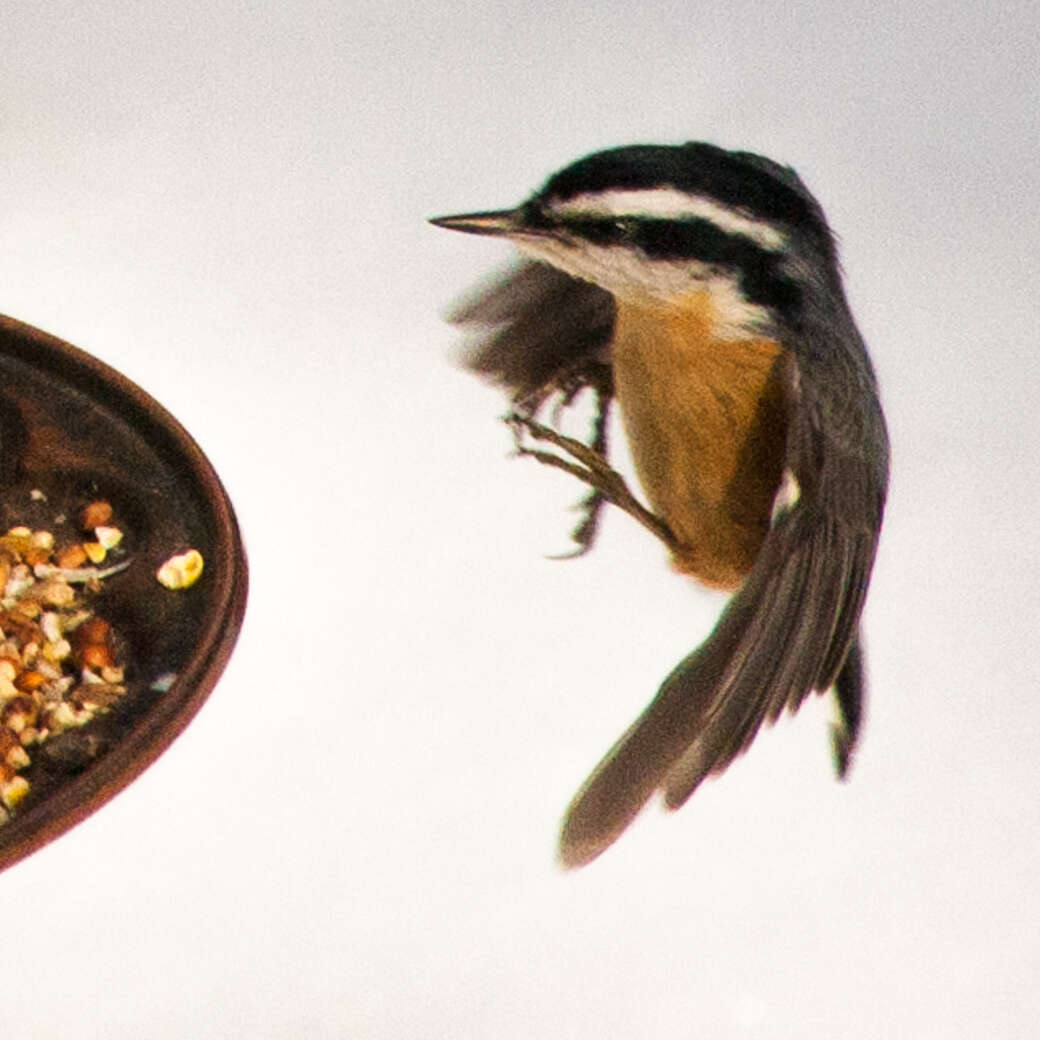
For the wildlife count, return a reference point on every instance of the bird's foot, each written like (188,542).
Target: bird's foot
(590,467)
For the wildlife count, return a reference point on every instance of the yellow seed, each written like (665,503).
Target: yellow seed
(14,791)
(57,651)
(180,571)
(95,551)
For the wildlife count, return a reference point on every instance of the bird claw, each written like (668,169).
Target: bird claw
(588,465)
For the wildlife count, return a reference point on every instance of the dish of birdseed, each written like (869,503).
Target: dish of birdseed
(123,583)
(61,663)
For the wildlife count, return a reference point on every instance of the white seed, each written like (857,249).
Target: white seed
(42,540)
(108,537)
(50,624)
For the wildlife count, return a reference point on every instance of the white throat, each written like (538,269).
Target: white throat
(631,276)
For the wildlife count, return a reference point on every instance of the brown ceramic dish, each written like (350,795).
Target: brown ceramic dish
(78,430)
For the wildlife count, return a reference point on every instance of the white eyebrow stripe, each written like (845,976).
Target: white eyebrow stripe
(672,204)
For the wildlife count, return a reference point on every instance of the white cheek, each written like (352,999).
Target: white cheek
(734,316)
(630,276)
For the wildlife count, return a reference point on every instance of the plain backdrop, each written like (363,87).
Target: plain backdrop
(355,837)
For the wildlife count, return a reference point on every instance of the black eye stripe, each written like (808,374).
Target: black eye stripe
(758,270)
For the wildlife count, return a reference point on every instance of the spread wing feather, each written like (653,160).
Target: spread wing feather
(791,628)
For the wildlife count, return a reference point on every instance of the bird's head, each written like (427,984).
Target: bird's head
(657,221)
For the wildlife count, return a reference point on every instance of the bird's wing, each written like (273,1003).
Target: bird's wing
(788,630)
(534,329)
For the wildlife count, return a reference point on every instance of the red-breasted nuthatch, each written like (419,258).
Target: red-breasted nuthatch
(701,289)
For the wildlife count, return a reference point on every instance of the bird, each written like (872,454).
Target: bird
(699,289)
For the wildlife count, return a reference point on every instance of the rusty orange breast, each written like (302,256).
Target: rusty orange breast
(704,418)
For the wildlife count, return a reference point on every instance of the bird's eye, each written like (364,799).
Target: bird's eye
(625,228)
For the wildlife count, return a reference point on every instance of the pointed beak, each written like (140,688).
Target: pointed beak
(503,222)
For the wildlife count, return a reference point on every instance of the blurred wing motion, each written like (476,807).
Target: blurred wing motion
(536,330)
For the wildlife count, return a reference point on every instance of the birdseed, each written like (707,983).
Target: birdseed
(59,662)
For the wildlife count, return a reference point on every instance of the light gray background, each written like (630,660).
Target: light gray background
(355,837)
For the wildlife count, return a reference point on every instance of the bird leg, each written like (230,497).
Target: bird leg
(591,506)
(588,463)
